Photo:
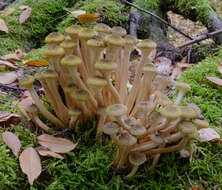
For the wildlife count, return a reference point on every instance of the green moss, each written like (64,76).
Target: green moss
(44,16)
(110,11)
(34,54)
(151,5)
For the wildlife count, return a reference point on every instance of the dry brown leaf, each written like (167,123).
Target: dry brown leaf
(11,57)
(24,104)
(37,63)
(23,7)
(8,64)
(12,141)
(215,80)
(7,77)
(7,12)
(220,67)
(30,164)
(56,144)
(3,26)
(8,118)
(208,134)
(25,14)
(46,152)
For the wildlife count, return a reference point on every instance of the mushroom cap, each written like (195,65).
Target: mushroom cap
(73,30)
(118,30)
(101,110)
(149,69)
(71,61)
(144,106)
(137,158)
(182,86)
(162,99)
(130,40)
(75,111)
(80,95)
(114,40)
(137,130)
(68,44)
(105,66)
(54,38)
(201,123)
(188,112)
(170,111)
(156,139)
(96,43)
(70,88)
(87,33)
(26,81)
(187,127)
(126,139)
(140,115)
(97,82)
(116,110)
(53,51)
(101,27)
(49,74)
(111,128)
(146,44)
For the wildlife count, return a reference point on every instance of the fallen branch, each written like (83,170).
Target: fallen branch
(200,38)
(157,17)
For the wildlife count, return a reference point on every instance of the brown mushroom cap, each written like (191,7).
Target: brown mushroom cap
(116,110)
(100,27)
(130,40)
(73,30)
(149,68)
(187,127)
(96,43)
(101,110)
(87,33)
(188,112)
(75,111)
(26,81)
(70,88)
(96,82)
(144,106)
(114,40)
(137,158)
(127,139)
(146,44)
(137,130)
(118,30)
(68,44)
(71,61)
(53,51)
(105,66)
(111,128)
(201,123)
(49,74)
(80,95)
(170,111)
(156,139)
(54,38)
(182,86)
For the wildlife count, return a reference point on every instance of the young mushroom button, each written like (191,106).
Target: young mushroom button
(183,88)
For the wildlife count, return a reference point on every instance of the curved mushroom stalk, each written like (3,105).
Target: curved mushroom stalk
(102,118)
(74,113)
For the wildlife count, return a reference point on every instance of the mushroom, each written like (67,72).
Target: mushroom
(136,159)
(68,45)
(74,113)
(201,123)
(54,38)
(32,111)
(102,29)
(118,30)
(27,82)
(137,130)
(102,118)
(183,88)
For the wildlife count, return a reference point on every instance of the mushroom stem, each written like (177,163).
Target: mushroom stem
(133,171)
(179,97)
(42,125)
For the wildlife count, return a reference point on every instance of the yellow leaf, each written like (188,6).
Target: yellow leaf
(88,18)
(37,63)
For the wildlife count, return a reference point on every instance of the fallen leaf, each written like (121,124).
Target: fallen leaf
(46,152)
(215,80)
(195,188)
(220,67)
(163,65)
(37,63)
(3,26)
(7,77)
(7,12)
(23,7)
(25,103)
(7,118)
(25,14)
(12,141)
(207,134)
(88,18)
(8,64)
(56,144)
(30,164)
(20,53)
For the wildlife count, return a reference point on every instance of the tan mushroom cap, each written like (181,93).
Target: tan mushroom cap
(126,139)
(116,110)
(97,82)
(170,111)
(105,66)
(111,128)
(118,30)
(130,40)
(49,74)
(100,27)
(68,44)
(149,68)
(53,50)
(54,38)
(73,30)
(188,112)
(26,81)
(87,33)
(80,95)
(137,130)
(201,123)
(70,88)
(137,158)
(187,127)
(71,61)
(114,40)
(101,110)
(144,106)
(96,42)
(182,86)
(75,111)
(146,44)
(156,139)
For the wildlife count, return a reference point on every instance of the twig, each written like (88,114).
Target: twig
(157,17)
(200,38)
(10,87)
